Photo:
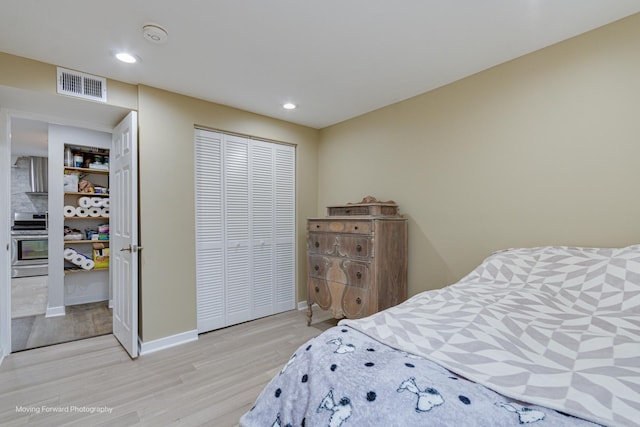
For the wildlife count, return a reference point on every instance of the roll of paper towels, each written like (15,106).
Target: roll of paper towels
(88,264)
(69,254)
(82,212)
(78,259)
(105,212)
(69,211)
(84,202)
(95,212)
(96,202)
(105,203)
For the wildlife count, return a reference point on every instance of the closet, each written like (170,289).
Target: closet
(245,228)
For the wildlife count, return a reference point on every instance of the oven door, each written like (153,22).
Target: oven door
(30,255)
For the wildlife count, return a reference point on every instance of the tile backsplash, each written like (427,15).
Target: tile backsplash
(20,200)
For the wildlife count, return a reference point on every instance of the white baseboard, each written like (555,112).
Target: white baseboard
(168,342)
(55,311)
(302,305)
(83,300)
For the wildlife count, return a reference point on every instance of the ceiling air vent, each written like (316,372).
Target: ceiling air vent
(80,85)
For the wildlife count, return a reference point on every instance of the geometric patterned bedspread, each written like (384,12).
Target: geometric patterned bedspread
(554,326)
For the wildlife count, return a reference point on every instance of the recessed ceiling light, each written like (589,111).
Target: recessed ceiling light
(126,57)
(289,106)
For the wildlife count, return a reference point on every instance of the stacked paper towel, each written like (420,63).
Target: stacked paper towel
(88,207)
(79,259)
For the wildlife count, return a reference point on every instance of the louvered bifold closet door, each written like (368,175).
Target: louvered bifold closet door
(209,231)
(236,209)
(285,225)
(245,229)
(262,228)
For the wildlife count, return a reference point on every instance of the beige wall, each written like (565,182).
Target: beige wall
(38,77)
(543,150)
(167,121)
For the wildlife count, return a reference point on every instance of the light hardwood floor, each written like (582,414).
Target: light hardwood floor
(209,382)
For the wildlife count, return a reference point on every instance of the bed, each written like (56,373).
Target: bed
(541,336)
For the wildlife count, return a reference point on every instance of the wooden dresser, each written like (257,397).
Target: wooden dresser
(357,259)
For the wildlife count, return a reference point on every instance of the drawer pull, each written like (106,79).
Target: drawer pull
(355,228)
(316,267)
(317,225)
(317,289)
(358,301)
(358,248)
(316,244)
(359,275)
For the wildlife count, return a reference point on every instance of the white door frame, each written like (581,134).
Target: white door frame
(5,235)
(6,114)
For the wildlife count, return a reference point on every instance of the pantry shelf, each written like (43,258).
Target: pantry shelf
(106,218)
(72,193)
(67,242)
(80,270)
(87,170)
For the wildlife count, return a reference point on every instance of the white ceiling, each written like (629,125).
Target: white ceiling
(335,59)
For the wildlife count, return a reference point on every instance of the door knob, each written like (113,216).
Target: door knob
(132,249)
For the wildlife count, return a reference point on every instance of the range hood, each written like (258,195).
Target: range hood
(38,175)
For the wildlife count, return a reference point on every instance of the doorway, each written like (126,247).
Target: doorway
(87,311)
(70,315)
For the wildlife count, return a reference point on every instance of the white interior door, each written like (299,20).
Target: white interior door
(124,232)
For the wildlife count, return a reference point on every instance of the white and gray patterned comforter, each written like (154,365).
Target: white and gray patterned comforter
(554,326)
(543,336)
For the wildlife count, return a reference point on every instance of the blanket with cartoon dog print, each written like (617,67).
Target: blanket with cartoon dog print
(344,378)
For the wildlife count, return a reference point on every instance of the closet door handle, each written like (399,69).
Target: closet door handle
(317,244)
(359,248)
(358,301)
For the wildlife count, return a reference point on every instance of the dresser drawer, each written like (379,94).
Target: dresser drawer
(318,290)
(320,243)
(317,266)
(343,226)
(373,209)
(350,246)
(347,210)
(355,302)
(354,246)
(358,274)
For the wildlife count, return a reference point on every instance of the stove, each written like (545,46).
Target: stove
(29,244)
